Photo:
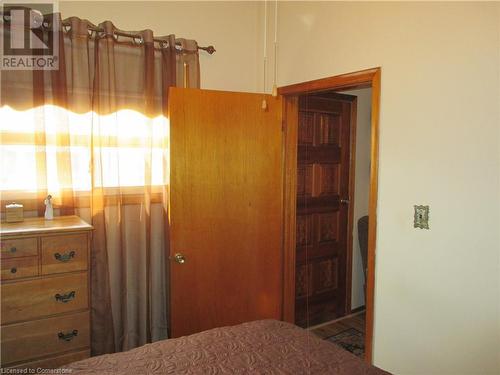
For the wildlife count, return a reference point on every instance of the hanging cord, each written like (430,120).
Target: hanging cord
(264,101)
(275,87)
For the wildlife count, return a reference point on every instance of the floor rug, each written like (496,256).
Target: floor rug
(351,340)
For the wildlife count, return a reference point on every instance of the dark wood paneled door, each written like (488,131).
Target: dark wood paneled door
(323,193)
(226,184)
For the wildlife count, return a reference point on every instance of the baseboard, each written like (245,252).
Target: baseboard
(358,309)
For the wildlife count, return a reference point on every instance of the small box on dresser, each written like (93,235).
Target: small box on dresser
(45,292)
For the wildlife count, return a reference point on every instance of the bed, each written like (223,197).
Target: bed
(260,347)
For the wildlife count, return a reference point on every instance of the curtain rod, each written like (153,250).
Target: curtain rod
(66,23)
(210,49)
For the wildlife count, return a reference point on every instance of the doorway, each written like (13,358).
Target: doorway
(291,94)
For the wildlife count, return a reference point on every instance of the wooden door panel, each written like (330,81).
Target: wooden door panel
(327,275)
(304,180)
(323,157)
(225,209)
(306,128)
(304,236)
(328,227)
(318,154)
(318,204)
(303,281)
(328,179)
(317,236)
(330,129)
(317,280)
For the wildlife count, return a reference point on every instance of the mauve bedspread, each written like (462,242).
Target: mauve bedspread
(260,347)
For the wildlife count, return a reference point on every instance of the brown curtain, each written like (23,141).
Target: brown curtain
(94,135)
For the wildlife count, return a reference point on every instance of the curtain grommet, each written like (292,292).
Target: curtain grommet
(139,40)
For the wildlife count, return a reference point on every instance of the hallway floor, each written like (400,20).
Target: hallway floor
(347,332)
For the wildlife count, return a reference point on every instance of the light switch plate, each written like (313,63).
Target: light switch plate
(421,217)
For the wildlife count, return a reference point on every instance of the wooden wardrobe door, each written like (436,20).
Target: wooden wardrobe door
(225,209)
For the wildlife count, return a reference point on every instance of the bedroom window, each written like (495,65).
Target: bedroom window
(52,149)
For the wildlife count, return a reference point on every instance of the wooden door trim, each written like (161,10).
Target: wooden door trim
(290,139)
(372,212)
(355,80)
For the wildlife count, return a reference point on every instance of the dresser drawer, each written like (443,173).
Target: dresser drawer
(16,268)
(19,247)
(64,253)
(31,299)
(38,338)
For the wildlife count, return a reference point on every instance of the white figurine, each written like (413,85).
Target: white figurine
(49,210)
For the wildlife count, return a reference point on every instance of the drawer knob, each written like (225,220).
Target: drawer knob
(13,270)
(13,249)
(67,336)
(66,257)
(64,298)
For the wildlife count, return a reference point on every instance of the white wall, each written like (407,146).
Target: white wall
(437,291)
(361,188)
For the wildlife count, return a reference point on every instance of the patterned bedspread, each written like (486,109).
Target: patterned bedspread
(260,347)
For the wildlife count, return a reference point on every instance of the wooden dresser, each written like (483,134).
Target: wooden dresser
(45,292)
